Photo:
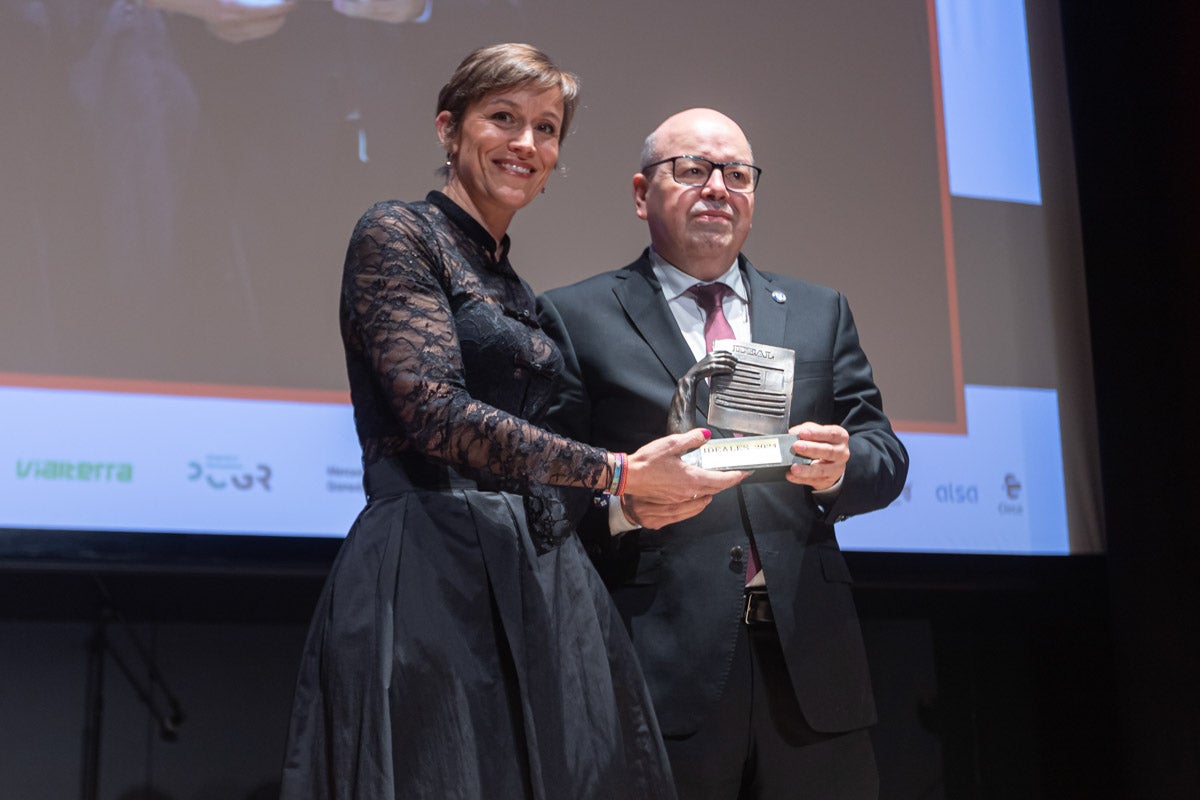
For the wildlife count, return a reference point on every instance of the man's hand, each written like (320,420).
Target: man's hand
(829,448)
(646,513)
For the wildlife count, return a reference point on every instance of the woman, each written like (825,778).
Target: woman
(464,646)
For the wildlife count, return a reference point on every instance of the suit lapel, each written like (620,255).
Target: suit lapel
(768,312)
(640,295)
(768,316)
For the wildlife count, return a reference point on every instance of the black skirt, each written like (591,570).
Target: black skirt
(446,659)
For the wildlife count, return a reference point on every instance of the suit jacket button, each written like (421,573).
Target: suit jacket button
(736,553)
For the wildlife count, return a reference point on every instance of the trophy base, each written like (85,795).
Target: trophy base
(746,452)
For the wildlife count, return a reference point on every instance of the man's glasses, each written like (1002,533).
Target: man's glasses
(695,171)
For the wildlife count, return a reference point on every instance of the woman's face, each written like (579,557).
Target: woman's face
(502,152)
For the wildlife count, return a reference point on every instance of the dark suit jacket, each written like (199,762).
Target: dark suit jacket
(680,589)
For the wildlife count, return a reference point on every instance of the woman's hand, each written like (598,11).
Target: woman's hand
(657,474)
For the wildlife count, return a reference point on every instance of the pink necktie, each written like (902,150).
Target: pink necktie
(709,296)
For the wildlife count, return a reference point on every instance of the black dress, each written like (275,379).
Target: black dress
(463,646)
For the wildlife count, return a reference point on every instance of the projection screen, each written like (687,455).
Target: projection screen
(174,209)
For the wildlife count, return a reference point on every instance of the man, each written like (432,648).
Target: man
(760,693)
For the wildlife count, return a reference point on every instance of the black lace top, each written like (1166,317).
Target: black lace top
(447,363)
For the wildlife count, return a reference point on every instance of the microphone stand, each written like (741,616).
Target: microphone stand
(100,645)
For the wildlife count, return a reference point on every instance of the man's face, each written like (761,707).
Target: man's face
(696,227)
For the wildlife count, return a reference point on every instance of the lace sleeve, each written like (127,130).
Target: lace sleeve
(398,316)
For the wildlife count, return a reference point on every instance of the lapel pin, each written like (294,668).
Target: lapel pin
(778,296)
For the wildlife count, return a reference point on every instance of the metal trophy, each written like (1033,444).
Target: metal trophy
(750,392)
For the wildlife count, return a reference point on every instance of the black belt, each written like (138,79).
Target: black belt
(757,611)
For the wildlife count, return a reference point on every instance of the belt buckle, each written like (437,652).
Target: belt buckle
(751,595)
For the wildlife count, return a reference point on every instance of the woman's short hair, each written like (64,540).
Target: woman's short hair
(501,67)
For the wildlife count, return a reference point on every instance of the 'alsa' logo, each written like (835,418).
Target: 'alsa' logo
(80,471)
